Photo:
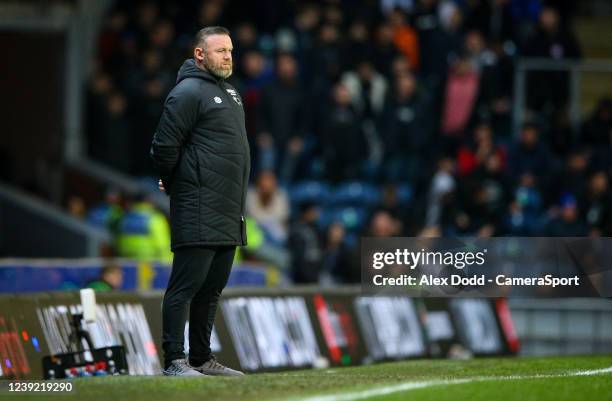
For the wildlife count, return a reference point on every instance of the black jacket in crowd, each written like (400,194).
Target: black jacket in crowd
(202,152)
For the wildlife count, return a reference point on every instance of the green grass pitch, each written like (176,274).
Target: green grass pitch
(509,379)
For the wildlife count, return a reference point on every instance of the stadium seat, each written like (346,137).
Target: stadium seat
(309,191)
(355,193)
(352,218)
(326,218)
(404,193)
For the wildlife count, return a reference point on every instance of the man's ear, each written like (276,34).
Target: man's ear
(198,54)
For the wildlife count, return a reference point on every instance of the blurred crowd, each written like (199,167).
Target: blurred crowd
(376,118)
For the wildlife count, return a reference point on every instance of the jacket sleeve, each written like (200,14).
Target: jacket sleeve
(180,114)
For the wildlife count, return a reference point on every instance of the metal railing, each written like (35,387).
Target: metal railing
(35,228)
(575,68)
(116,179)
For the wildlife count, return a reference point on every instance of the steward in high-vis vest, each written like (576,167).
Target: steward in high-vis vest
(144,233)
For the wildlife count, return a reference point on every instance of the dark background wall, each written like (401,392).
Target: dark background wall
(32,107)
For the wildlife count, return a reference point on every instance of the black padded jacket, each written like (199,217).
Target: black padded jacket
(201,150)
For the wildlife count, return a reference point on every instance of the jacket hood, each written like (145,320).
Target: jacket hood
(189,69)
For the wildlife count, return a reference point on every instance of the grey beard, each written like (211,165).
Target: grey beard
(218,72)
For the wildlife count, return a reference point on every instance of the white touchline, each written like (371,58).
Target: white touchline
(397,388)
(593,372)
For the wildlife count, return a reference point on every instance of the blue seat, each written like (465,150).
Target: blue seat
(351,239)
(98,216)
(404,194)
(352,218)
(309,191)
(356,193)
(326,218)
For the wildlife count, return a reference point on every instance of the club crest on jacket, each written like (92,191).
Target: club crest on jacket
(234,96)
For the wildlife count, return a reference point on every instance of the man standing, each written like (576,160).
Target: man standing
(202,153)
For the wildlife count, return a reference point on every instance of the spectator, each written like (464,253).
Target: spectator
(305,246)
(260,249)
(524,16)
(382,224)
(98,91)
(76,207)
(566,221)
(384,50)
(460,99)
(404,130)
(210,13)
(478,153)
(245,41)
(388,6)
(436,43)
(549,90)
(344,143)
(597,133)
(282,120)
(257,74)
(523,218)
(485,195)
(531,155)
(107,213)
(400,67)
(109,124)
(596,203)
(110,279)
(453,219)
(147,14)
(341,261)
(495,71)
(144,232)
(269,206)
(405,38)
(306,21)
(109,42)
(333,15)
(161,38)
(115,148)
(324,58)
(149,84)
(358,45)
(573,177)
(399,209)
(553,39)
(368,89)
(597,130)
(443,185)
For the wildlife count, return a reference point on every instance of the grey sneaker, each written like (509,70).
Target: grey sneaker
(214,368)
(180,367)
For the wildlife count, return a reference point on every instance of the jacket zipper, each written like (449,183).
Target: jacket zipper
(199,176)
(242,229)
(242,221)
(198,172)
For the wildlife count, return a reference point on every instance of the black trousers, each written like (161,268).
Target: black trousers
(198,276)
